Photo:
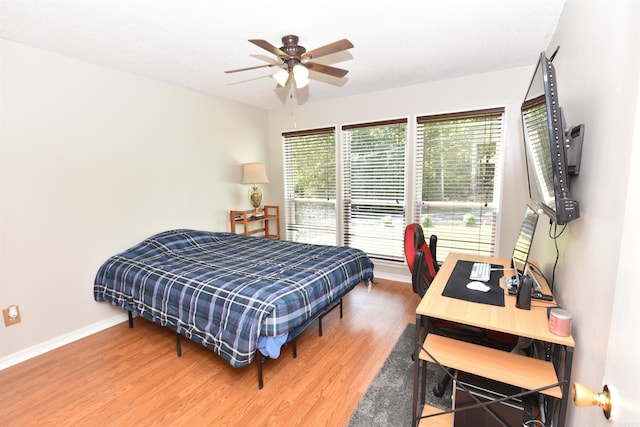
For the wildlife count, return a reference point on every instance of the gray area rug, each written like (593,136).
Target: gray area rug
(389,399)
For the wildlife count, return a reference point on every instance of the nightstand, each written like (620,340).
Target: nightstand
(266,222)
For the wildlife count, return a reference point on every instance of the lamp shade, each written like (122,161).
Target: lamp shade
(281,77)
(301,76)
(254,173)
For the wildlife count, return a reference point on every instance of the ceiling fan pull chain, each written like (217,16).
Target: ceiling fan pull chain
(293,98)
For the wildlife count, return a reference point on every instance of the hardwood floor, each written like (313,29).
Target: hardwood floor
(124,376)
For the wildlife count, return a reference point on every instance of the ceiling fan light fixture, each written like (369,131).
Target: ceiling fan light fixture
(301,75)
(290,56)
(281,77)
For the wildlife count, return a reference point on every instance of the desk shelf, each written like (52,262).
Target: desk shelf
(444,420)
(509,368)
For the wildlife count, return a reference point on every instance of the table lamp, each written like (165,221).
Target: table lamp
(254,173)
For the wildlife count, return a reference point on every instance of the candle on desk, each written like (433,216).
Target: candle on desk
(560,322)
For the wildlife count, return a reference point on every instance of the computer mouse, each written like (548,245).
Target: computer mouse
(478,286)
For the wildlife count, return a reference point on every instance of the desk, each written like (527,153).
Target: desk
(522,371)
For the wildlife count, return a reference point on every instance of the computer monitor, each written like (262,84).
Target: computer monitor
(522,247)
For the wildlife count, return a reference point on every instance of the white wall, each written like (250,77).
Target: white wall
(94,160)
(597,68)
(622,371)
(503,88)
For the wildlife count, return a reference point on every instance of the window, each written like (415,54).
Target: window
(353,192)
(310,185)
(374,187)
(456,196)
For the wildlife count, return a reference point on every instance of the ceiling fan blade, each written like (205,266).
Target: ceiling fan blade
(326,69)
(334,47)
(269,47)
(252,68)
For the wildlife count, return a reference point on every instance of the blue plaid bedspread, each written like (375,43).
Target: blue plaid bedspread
(225,290)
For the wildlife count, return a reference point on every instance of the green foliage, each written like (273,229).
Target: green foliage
(376,162)
(314,162)
(458,163)
(469,220)
(426,221)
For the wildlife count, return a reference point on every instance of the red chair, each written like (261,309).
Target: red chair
(414,241)
(423,265)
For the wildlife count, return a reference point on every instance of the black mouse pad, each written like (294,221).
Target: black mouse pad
(456,286)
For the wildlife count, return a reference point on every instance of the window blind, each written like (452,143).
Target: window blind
(310,185)
(457,177)
(374,187)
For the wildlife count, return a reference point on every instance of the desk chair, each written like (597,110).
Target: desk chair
(423,270)
(414,241)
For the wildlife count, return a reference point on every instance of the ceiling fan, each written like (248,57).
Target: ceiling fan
(295,60)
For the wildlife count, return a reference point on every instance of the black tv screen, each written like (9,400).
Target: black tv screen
(546,143)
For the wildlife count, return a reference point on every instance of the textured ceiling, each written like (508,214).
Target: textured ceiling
(191,42)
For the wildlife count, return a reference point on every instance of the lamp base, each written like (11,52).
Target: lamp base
(255,197)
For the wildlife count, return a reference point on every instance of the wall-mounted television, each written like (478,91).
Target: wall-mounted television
(552,151)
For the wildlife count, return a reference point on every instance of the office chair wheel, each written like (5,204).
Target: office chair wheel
(438,390)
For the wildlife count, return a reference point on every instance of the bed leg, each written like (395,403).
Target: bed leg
(260,361)
(130,320)
(294,348)
(178,345)
(331,309)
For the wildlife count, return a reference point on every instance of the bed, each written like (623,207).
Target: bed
(236,295)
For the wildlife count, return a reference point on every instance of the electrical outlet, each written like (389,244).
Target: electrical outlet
(11,315)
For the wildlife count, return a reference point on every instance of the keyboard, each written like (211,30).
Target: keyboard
(480,271)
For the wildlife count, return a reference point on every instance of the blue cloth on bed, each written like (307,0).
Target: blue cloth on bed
(225,290)
(270,346)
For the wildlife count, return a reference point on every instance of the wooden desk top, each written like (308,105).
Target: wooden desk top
(509,319)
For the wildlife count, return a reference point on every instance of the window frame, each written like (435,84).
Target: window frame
(454,237)
(371,227)
(297,230)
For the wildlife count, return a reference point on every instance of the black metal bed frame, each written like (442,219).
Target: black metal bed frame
(291,338)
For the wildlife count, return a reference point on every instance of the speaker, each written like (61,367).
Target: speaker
(523,296)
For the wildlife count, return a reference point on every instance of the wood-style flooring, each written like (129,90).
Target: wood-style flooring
(133,377)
